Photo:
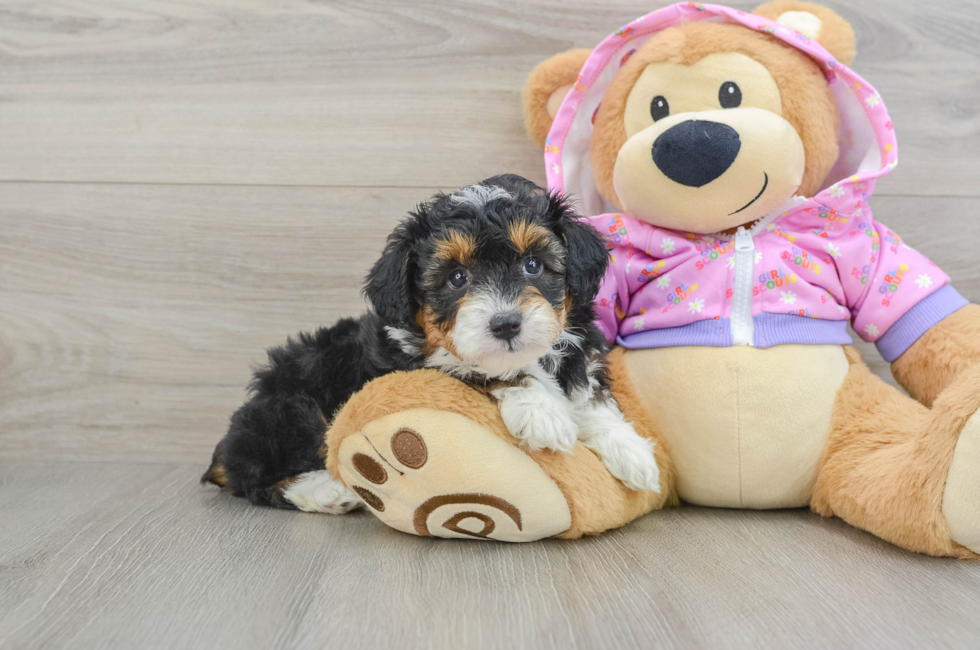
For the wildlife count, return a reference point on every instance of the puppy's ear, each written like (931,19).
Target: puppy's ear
(817,22)
(587,257)
(545,89)
(390,286)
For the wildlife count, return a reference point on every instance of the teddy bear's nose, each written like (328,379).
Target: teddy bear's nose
(696,152)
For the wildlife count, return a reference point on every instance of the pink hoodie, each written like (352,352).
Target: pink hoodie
(798,275)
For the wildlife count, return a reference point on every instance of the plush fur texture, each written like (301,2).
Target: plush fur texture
(807,102)
(885,465)
(558,71)
(836,34)
(940,355)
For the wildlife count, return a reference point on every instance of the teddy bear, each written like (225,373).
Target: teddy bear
(728,159)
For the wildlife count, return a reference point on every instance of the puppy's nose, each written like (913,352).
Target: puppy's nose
(506,326)
(696,152)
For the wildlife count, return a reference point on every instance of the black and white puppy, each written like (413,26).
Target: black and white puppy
(492,284)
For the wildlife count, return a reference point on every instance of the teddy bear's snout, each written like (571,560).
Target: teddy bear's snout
(696,152)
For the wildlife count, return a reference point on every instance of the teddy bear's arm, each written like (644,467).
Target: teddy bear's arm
(932,363)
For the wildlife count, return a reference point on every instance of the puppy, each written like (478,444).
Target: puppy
(492,284)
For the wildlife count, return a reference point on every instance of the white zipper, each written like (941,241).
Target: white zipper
(743,328)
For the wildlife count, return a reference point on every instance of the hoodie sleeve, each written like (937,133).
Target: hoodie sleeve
(895,293)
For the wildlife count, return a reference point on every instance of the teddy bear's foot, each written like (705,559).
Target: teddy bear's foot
(430,455)
(430,472)
(961,498)
(906,473)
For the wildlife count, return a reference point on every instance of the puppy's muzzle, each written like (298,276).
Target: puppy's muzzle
(696,152)
(505,326)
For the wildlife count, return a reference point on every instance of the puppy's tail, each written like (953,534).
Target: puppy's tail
(278,434)
(216,472)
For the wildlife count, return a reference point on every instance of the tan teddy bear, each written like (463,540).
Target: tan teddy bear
(728,158)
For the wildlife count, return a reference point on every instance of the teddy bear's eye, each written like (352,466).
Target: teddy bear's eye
(729,95)
(659,108)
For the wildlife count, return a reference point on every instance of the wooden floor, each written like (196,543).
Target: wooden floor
(183,184)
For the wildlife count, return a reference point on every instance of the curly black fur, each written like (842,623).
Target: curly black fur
(277,434)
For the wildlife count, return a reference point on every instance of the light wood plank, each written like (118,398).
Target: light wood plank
(113,294)
(130,315)
(141,556)
(385,94)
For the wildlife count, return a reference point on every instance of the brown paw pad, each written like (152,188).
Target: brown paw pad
(369,468)
(370,498)
(409,448)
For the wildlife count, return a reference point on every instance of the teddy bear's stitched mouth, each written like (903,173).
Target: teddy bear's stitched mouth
(765,184)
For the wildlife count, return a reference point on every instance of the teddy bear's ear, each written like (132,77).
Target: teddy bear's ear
(545,89)
(816,21)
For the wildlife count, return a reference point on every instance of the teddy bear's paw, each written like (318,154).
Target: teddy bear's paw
(436,473)
(961,498)
(537,418)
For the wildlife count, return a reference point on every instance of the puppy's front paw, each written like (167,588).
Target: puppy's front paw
(627,455)
(634,464)
(537,419)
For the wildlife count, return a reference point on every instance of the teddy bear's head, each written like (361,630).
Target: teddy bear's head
(708,125)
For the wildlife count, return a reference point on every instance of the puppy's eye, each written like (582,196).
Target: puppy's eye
(533,267)
(659,108)
(729,95)
(458,279)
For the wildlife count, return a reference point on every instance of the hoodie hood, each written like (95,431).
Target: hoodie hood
(868,148)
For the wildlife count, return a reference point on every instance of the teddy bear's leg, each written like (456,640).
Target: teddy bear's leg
(431,456)
(902,471)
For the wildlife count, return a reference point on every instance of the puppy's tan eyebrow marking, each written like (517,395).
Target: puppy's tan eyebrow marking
(525,234)
(456,247)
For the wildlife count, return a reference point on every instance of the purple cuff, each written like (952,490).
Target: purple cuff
(711,332)
(919,320)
